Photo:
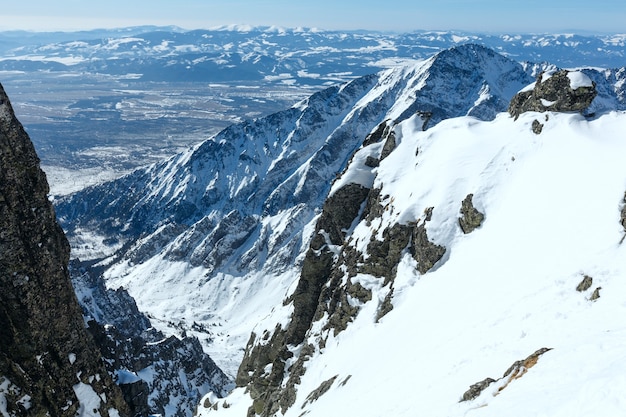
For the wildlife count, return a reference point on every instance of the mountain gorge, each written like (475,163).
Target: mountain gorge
(323,222)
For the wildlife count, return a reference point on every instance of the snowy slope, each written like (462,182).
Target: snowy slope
(217,231)
(552,206)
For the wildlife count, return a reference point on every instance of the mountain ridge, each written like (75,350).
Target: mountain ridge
(211,268)
(413,339)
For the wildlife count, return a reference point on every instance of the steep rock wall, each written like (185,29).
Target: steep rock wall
(47,359)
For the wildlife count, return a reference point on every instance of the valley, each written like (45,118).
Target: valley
(93,127)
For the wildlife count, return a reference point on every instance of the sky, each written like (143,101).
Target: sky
(391,15)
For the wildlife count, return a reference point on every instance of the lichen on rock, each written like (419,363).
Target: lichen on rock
(515,371)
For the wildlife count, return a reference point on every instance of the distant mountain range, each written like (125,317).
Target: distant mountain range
(136,95)
(277,55)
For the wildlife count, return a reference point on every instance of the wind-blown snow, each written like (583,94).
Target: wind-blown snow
(552,204)
(578,79)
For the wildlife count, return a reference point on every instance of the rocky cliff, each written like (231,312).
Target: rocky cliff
(49,364)
(561,90)
(158,375)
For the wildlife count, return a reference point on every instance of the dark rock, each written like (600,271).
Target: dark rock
(537,127)
(519,368)
(371,162)
(390,143)
(377,134)
(476,389)
(471,218)
(268,391)
(585,284)
(338,213)
(319,391)
(425,252)
(136,395)
(515,371)
(596,294)
(373,206)
(384,256)
(341,311)
(45,351)
(553,92)
(386,306)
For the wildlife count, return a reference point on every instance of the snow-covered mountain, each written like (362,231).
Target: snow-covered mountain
(483,275)
(213,240)
(282,55)
(232,212)
(100,103)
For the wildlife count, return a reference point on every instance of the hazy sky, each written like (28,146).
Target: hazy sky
(394,15)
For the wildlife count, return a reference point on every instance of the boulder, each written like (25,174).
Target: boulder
(471,218)
(561,91)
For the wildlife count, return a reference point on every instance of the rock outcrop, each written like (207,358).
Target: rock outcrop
(563,91)
(329,291)
(515,371)
(622,219)
(471,218)
(47,358)
(158,375)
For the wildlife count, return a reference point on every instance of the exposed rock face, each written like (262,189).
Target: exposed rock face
(329,289)
(318,268)
(562,90)
(46,354)
(176,371)
(515,371)
(471,218)
(623,213)
(585,284)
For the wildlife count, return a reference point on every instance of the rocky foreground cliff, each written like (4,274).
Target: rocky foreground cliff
(49,364)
